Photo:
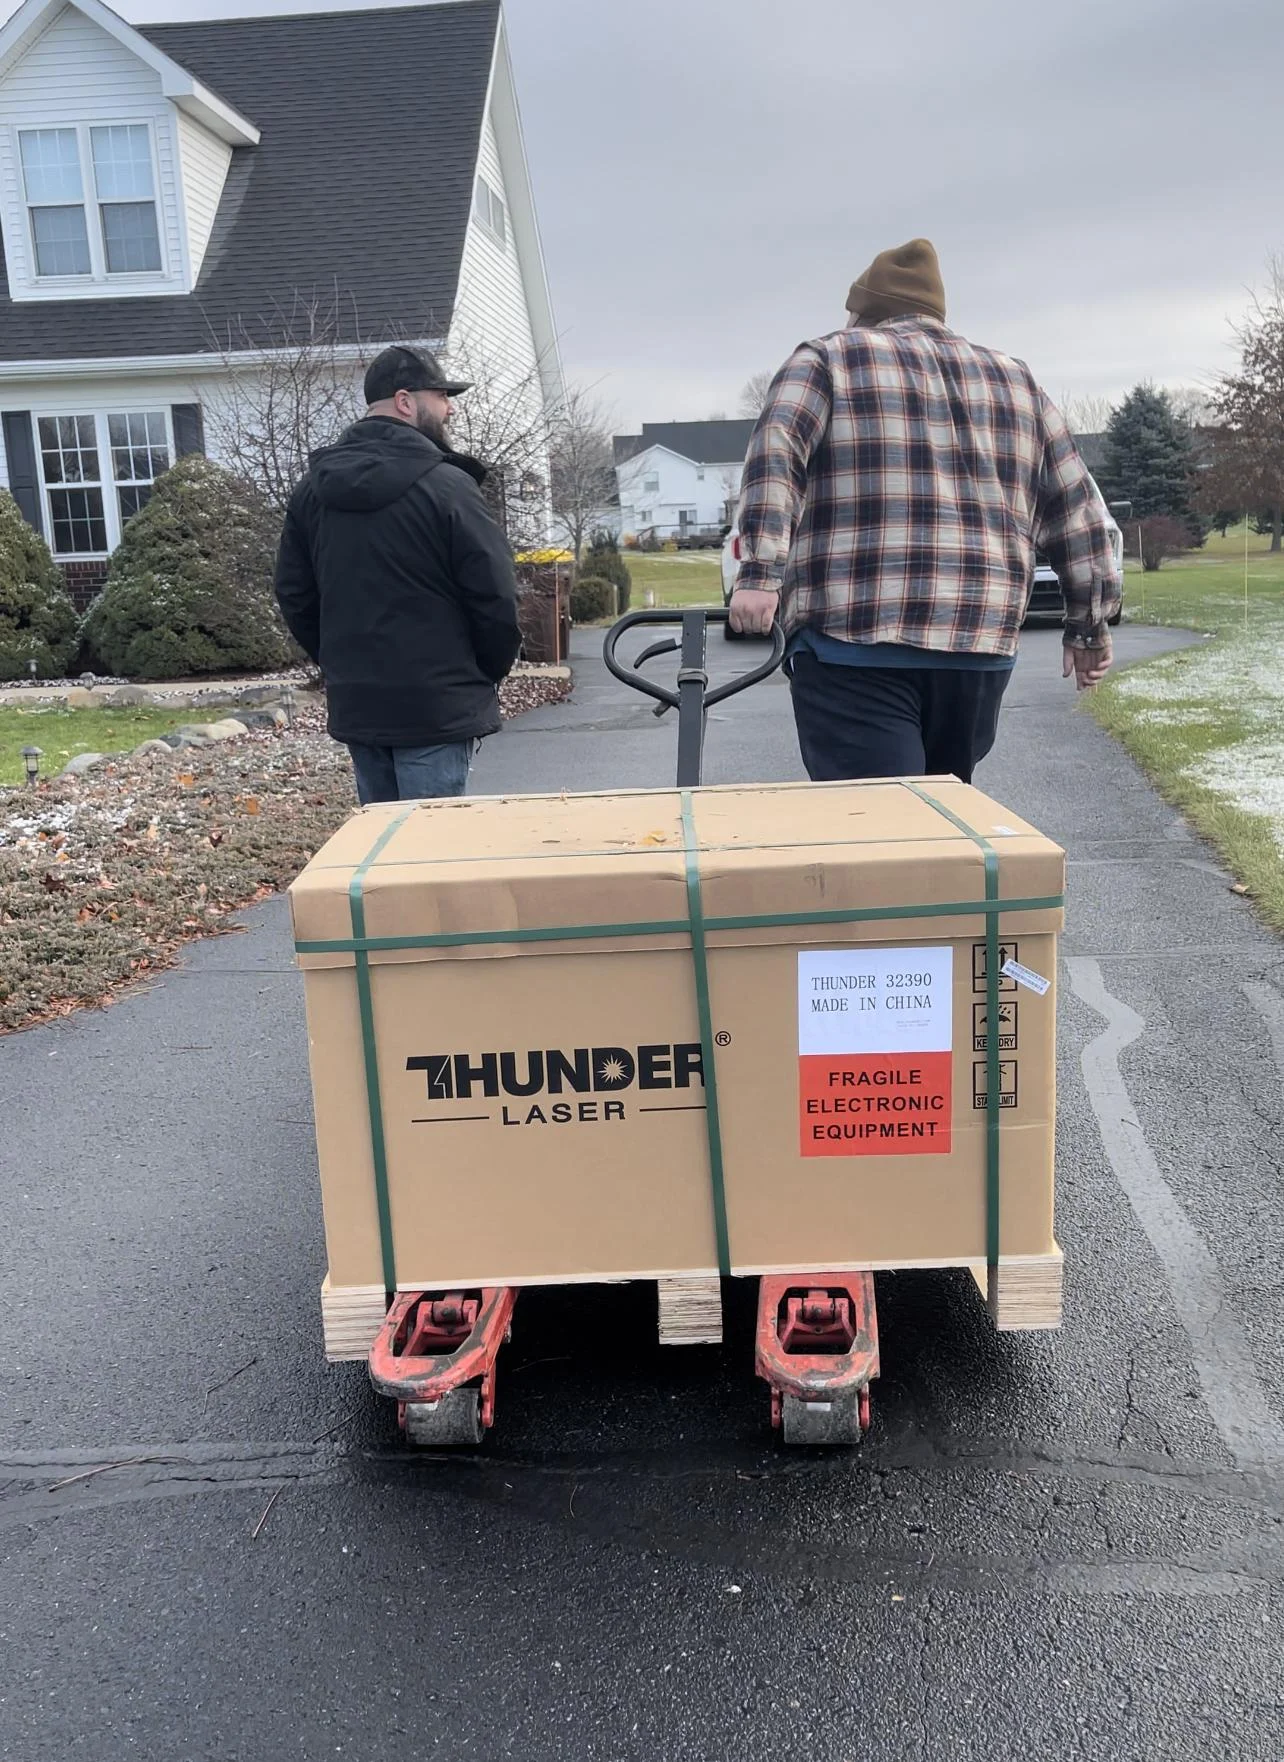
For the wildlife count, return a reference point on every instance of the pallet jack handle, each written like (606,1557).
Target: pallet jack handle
(693,698)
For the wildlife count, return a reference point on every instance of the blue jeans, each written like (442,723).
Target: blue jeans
(411,773)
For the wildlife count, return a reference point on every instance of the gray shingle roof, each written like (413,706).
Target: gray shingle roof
(717,442)
(362,182)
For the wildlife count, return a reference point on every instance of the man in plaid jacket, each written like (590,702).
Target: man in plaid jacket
(898,484)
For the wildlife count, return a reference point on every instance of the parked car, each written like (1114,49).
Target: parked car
(1046,603)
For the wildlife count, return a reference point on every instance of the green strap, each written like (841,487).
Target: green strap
(700,957)
(992,1152)
(374,1099)
(955,908)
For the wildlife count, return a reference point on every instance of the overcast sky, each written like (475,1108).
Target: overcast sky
(1102,178)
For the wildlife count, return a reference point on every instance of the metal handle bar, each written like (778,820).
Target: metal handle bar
(661,693)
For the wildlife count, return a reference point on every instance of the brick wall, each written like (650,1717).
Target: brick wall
(84,582)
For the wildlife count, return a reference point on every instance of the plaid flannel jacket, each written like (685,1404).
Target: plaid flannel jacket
(898,484)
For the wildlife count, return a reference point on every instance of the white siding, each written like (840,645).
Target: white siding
(490,309)
(491,334)
(76,73)
(681,483)
(204,159)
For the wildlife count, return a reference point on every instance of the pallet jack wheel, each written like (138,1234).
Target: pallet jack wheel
(450,1423)
(825,1424)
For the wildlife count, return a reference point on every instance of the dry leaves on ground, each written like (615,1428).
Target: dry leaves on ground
(103,879)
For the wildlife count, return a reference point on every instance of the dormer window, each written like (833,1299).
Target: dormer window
(114,233)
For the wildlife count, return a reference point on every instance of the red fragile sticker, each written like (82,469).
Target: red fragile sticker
(875,1104)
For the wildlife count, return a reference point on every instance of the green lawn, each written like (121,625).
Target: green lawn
(689,578)
(1207,724)
(1206,590)
(61,734)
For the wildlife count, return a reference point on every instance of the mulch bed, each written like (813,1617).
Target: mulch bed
(103,879)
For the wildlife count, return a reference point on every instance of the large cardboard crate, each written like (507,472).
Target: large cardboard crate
(660,1035)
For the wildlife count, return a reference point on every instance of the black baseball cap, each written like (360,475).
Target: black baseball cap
(399,369)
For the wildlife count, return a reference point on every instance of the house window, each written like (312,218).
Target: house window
(651,485)
(58,166)
(139,453)
(488,208)
(55,200)
(700,475)
(126,198)
(87,506)
(531,487)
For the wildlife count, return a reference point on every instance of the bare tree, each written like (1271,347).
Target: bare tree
(1192,404)
(1246,468)
(1087,415)
(753,394)
(290,383)
(581,466)
(507,421)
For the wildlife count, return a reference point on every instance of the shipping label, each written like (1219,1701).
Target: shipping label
(875,1051)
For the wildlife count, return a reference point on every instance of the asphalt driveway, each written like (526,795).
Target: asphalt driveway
(1067,1546)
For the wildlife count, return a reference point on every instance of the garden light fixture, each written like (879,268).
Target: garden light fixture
(31,757)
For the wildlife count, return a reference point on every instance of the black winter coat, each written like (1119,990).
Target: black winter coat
(393,577)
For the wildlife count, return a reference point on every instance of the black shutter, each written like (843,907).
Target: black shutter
(24,477)
(189,429)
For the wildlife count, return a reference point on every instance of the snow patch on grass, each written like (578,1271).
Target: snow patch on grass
(1248,775)
(1240,672)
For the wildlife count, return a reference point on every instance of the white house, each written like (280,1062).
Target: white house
(680,479)
(172,193)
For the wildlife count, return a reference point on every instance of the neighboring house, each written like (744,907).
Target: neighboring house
(166,193)
(680,479)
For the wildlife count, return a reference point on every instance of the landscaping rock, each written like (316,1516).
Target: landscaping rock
(267,718)
(81,697)
(83,762)
(154,749)
(202,732)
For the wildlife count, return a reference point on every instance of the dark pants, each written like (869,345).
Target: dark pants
(893,721)
(411,773)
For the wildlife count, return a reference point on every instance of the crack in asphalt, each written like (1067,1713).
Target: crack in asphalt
(605,1512)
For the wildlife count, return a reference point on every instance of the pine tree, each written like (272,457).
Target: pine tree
(1148,456)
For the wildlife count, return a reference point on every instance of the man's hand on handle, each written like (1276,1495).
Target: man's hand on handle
(1089,666)
(753,611)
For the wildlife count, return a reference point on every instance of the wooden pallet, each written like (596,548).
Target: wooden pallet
(1029,1291)
(1028,1297)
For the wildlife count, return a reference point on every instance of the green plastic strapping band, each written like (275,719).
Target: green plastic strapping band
(993,1189)
(365,1004)
(954,908)
(700,957)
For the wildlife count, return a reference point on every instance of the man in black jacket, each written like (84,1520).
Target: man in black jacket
(395,580)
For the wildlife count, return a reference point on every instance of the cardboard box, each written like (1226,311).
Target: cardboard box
(529,1068)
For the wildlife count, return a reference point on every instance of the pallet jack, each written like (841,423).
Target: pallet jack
(816,1340)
